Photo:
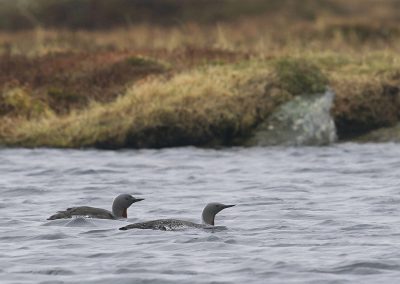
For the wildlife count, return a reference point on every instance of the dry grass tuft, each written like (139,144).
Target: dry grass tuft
(17,102)
(212,105)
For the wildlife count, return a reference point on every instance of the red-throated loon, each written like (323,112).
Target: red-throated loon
(208,217)
(119,209)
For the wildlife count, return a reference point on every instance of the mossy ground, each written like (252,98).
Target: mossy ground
(200,83)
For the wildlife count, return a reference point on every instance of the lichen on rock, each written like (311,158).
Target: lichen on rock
(305,120)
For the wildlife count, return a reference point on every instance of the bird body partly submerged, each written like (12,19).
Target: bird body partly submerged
(208,217)
(165,225)
(85,211)
(119,210)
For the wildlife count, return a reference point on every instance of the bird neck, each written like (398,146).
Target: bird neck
(119,212)
(208,218)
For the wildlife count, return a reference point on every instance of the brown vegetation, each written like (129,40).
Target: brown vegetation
(201,82)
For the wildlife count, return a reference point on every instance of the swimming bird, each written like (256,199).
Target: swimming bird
(119,209)
(208,218)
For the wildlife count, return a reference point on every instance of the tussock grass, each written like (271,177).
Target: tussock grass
(221,104)
(17,102)
(211,105)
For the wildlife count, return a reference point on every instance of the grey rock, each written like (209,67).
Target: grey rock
(305,120)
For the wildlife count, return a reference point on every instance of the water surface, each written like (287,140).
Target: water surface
(303,215)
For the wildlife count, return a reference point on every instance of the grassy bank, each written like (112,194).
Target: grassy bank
(210,105)
(215,104)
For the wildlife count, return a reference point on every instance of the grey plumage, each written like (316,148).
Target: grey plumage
(164,225)
(119,209)
(88,211)
(208,217)
(212,209)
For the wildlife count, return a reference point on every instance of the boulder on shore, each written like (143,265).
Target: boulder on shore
(305,120)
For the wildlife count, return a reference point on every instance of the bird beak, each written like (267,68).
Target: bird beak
(227,206)
(138,199)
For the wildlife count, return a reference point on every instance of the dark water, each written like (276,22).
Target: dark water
(303,215)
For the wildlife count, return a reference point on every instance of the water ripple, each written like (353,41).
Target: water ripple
(363,268)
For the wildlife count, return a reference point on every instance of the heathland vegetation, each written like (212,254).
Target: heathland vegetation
(170,73)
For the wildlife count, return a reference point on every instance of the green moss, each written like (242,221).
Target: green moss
(145,62)
(63,96)
(299,77)
(215,62)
